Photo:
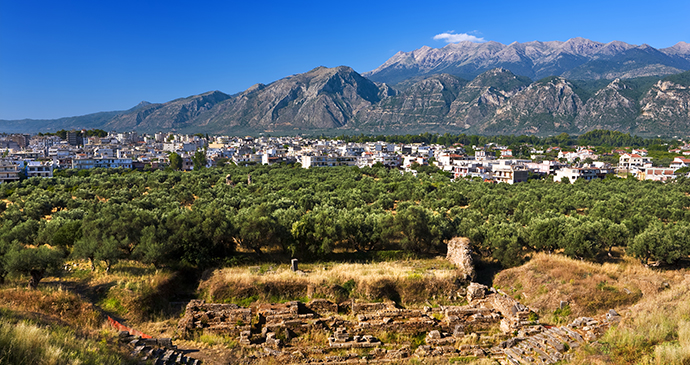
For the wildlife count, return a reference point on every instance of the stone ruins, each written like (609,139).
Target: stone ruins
(460,255)
(160,351)
(492,324)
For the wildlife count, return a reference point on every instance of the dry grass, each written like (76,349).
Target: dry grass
(656,313)
(62,305)
(24,342)
(313,337)
(589,288)
(408,281)
(654,331)
(132,291)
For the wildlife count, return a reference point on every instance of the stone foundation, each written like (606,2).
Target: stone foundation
(276,325)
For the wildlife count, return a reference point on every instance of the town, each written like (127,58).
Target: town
(42,155)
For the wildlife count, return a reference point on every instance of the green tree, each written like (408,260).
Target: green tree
(175,161)
(582,238)
(107,235)
(34,261)
(317,232)
(420,229)
(255,228)
(155,247)
(199,159)
(546,233)
(659,242)
(357,230)
(613,235)
(60,232)
(505,241)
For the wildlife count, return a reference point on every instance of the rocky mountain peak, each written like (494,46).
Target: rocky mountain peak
(500,78)
(681,48)
(255,87)
(553,80)
(617,84)
(614,47)
(498,101)
(581,46)
(142,104)
(215,95)
(576,58)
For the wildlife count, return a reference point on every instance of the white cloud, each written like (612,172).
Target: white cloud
(452,37)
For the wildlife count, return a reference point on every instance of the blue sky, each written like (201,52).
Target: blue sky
(67,58)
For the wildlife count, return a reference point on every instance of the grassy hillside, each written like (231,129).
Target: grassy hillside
(409,282)
(653,302)
(63,321)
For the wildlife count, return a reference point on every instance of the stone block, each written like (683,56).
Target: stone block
(322,306)
(138,350)
(459,331)
(476,291)
(272,341)
(460,255)
(434,335)
(613,316)
(398,354)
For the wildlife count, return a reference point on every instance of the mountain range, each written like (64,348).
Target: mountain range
(577,58)
(485,88)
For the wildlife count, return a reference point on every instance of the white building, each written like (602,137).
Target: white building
(328,161)
(658,174)
(679,162)
(509,174)
(544,168)
(484,155)
(108,163)
(8,171)
(409,160)
(577,173)
(630,161)
(38,169)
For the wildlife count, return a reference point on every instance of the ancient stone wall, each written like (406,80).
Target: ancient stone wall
(215,318)
(448,329)
(155,350)
(322,307)
(460,255)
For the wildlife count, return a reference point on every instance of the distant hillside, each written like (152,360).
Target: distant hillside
(339,100)
(88,121)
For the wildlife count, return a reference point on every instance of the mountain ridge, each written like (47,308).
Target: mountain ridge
(337,100)
(536,60)
(435,97)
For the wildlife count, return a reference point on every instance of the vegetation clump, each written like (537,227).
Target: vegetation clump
(24,342)
(127,243)
(194,220)
(406,282)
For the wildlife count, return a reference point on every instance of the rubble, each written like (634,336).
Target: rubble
(476,291)
(437,337)
(549,345)
(155,350)
(341,339)
(466,330)
(228,319)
